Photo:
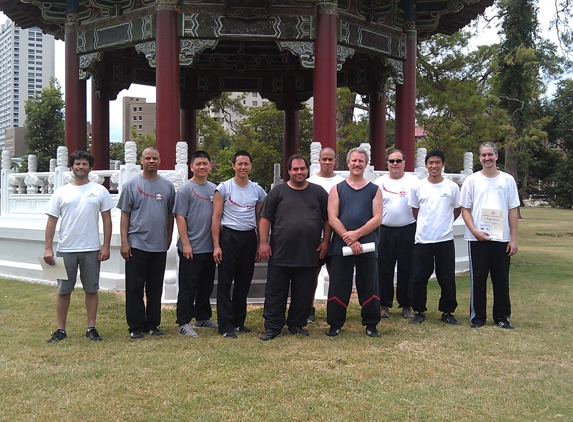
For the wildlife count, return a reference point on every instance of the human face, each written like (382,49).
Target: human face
(150,160)
(201,167)
(242,166)
(357,163)
(488,158)
(298,172)
(396,170)
(326,161)
(81,168)
(435,166)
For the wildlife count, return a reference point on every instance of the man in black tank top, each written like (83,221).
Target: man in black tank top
(355,215)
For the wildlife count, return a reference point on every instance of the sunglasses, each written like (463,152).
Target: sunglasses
(398,161)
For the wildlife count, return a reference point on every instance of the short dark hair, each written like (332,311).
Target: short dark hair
(297,157)
(395,151)
(435,153)
(81,155)
(241,153)
(200,154)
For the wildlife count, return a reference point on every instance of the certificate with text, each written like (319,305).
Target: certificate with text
(492,222)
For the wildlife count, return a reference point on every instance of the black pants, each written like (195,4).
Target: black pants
(301,281)
(340,289)
(238,265)
(489,257)
(443,255)
(396,246)
(144,272)
(196,277)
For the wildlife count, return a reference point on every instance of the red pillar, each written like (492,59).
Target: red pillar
(189,116)
(167,83)
(377,124)
(324,110)
(291,128)
(100,124)
(75,105)
(406,103)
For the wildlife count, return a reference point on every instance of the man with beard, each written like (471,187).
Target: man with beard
(295,214)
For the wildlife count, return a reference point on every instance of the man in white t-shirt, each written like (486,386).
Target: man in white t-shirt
(79,205)
(326,178)
(435,204)
(489,201)
(396,236)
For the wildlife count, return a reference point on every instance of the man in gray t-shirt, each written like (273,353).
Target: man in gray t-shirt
(146,225)
(193,212)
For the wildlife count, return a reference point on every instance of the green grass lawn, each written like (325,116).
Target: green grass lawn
(431,372)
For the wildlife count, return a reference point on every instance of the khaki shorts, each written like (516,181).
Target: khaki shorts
(89,266)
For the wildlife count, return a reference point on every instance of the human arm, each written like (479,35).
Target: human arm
(216,226)
(480,235)
(258,218)
(49,240)
(415,212)
(513,224)
(457,212)
(125,249)
(264,250)
(104,253)
(182,231)
(323,247)
(371,225)
(170,223)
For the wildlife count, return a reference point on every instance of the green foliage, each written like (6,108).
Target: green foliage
(560,129)
(560,188)
(350,132)
(117,151)
(142,140)
(45,123)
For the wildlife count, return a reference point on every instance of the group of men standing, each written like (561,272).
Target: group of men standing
(352,225)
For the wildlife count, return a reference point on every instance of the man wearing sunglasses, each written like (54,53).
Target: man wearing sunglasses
(396,236)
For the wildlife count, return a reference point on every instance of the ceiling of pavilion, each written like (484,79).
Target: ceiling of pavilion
(433,16)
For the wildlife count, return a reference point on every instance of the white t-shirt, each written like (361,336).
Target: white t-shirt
(79,208)
(396,212)
(326,182)
(436,203)
(498,193)
(239,209)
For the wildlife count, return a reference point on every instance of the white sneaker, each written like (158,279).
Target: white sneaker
(187,330)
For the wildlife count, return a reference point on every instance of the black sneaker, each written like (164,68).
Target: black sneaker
(243,329)
(155,332)
(418,318)
(136,335)
(504,323)
(298,330)
(230,334)
(92,334)
(312,317)
(407,312)
(477,324)
(371,331)
(448,318)
(384,312)
(269,335)
(333,332)
(57,336)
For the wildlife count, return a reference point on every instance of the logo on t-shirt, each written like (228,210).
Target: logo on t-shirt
(158,197)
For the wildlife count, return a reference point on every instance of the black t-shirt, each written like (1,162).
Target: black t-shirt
(297,218)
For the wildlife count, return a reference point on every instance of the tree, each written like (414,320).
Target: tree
(45,123)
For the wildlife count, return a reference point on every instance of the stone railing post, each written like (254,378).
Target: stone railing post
(420,167)
(468,163)
(277,180)
(181,167)
(61,167)
(315,148)
(129,170)
(6,170)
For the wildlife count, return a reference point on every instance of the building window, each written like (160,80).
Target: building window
(134,117)
(135,109)
(255,103)
(255,94)
(140,127)
(140,117)
(140,108)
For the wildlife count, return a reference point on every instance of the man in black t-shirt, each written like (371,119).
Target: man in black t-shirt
(296,213)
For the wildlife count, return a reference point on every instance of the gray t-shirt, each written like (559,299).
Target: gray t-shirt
(240,204)
(195,202)
(149,203)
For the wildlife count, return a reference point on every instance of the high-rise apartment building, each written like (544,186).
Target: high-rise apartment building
(138,115)
(27,63)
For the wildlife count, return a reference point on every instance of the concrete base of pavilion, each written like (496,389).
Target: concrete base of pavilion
(22,242)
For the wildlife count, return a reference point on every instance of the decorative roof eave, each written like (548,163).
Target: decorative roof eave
(450,23)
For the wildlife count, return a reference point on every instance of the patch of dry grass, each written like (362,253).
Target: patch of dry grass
(430,372)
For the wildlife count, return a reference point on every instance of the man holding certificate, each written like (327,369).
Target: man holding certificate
(489,201)
(355,215)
